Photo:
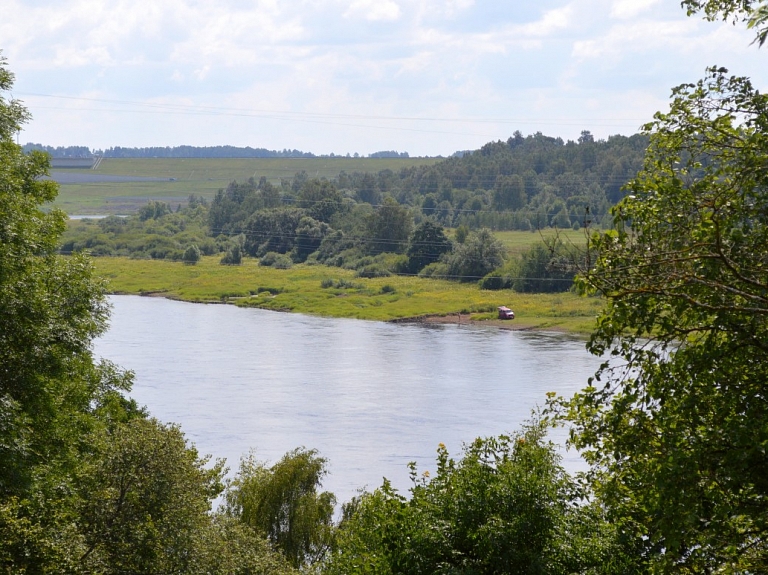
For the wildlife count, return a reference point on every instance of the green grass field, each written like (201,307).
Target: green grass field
(300,290)
(518,242)
(202,176)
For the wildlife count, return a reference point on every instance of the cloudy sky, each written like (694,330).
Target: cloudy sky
(425,76)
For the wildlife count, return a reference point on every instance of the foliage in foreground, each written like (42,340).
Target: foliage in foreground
(678,435)
(282,503)
(507,506)
(88,482)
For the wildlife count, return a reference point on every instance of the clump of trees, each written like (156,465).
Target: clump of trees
(89,483)
(507,506)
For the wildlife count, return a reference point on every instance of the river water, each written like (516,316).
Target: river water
(370,396)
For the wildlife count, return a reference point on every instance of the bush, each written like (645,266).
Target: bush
(495,281)
(275,260)
(437,270)
(506,506)
(233,257)
(191,255)
(373,271)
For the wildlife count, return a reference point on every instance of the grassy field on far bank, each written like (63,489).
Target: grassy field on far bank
(177,178)
(334,292)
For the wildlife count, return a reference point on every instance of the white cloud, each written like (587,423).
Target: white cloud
(552,21)
(624,9)
(635,38)
(374,10)
(455,58)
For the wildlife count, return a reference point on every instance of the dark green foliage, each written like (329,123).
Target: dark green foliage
(461,234)
(496,280)
(191,255)
(271,230)
(233,257)
(164,237)
(546,267)
(373,271)
(309,236)
(509,192)
(388,228)
(146,497)
(340,284)
(320,199)
(50,310)
(88,484)
(154,210)
(282,502)
(276,260)
(426,245)
(506,507)
(478,255)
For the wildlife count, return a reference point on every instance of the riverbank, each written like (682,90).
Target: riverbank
(334,292)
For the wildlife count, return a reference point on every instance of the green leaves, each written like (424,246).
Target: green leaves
(282,503)
(507,506)
(673,431)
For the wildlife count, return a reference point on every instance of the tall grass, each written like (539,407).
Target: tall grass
(335,292)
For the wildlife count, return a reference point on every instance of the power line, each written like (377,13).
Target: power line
(287,114)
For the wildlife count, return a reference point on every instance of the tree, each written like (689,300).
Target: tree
(271,230)
(146,499)
(51,390)
(309,236)
(320,198)
(87,483)
(233,257)
(282,503)
(676,426)
(507,506)
(509,193)
(426,245)
(191,255)
(546,267)
(480,254)
(388,228)
(755,14)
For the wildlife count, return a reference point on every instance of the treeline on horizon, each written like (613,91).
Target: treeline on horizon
(192,152)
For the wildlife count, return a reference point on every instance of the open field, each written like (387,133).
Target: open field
(180,177)
(300,289)
(518,242)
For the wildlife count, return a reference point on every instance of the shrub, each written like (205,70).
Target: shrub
(233,257)
(495,281)
(373,271)
(191,255)
(275,260)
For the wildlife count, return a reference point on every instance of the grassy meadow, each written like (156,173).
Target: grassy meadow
(335,292)
(516,242)
(181,177)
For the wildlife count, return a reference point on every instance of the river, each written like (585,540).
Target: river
(370,396)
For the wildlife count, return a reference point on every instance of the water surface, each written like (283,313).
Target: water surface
(370,396)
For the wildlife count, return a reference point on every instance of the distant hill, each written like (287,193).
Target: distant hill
(190,152)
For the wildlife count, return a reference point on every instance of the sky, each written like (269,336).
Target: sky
(427,77)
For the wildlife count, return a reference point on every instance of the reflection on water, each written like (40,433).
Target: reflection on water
(370,396)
